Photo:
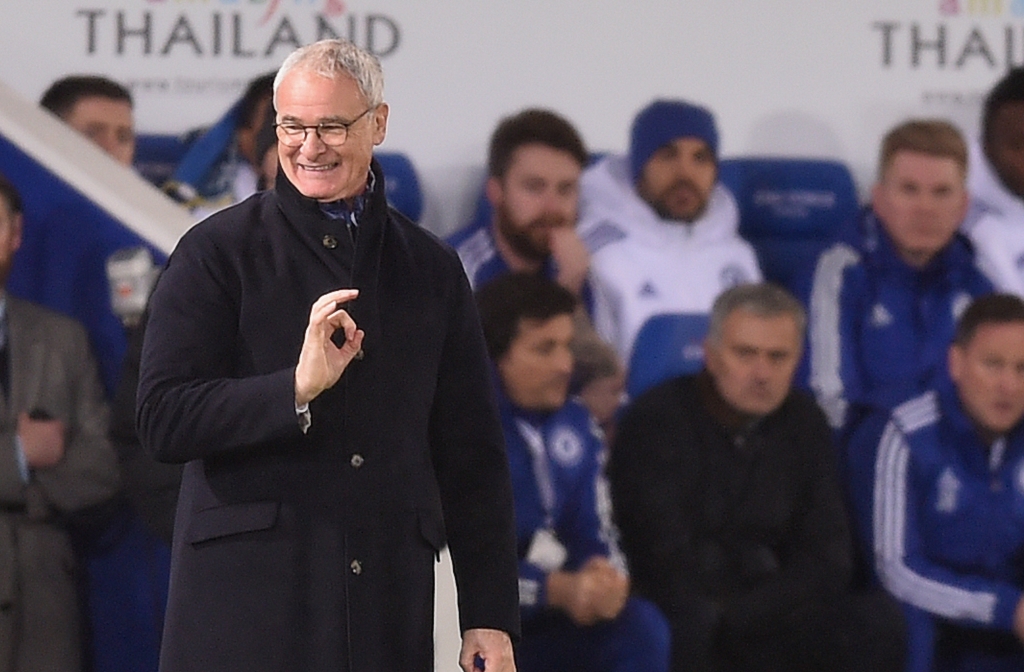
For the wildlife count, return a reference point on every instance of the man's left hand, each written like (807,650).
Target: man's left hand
(492,647)
(41,440)
(614,587)
(571,258)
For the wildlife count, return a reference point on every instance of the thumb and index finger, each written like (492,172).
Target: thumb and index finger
(328,310)
(333,300)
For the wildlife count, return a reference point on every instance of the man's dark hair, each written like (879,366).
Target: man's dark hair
(508,300)
(259,89)
(532,126)
(64,94)
(1009,89)
(988,309)
(9,195)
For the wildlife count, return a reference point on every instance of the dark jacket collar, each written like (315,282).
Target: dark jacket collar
(298,208)
(359,267)
(735,422)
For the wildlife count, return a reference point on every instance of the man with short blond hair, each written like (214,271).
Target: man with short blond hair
(933,137)
(884,300)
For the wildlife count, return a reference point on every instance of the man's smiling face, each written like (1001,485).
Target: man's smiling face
(317,170)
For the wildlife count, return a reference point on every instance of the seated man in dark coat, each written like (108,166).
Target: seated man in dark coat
(731,516)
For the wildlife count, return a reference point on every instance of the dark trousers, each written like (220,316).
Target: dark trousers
(847,633)
(636,641)
(971,650)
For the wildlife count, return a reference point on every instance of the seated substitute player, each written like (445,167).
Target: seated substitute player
(574,592)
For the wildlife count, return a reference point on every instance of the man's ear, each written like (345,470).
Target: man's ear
(16,228)
(955,362)
(494,191)
(380,123)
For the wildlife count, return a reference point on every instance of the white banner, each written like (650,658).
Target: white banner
(784,77)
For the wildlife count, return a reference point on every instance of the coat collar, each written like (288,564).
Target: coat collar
(357,267)
(298,208)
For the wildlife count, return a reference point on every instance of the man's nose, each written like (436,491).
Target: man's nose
(762,368)
(312,145)
(564,361)
(683,169)
(109,143)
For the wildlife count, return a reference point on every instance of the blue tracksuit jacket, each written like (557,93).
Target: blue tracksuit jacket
(879,329)
(581,514)
(941,513)
(557,465)
(475,247)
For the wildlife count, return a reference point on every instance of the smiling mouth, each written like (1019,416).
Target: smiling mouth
(320,168)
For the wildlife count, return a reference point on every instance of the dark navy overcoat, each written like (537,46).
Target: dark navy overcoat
(315,551)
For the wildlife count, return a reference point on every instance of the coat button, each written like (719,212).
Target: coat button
(359,355)
(357,567)
(356,461)
(329,241)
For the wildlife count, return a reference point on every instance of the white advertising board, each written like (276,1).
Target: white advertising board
(789,77)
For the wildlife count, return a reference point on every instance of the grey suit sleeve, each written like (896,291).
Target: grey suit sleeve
(12,485)
(88,474)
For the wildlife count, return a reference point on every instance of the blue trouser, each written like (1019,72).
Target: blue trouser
(636,641)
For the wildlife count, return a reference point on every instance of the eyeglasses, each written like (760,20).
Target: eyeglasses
(332,134)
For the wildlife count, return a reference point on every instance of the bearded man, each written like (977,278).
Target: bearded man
(534,165)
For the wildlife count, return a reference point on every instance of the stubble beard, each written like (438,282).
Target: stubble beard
(525,240)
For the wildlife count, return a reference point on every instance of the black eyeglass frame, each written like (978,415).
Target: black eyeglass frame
(341,128)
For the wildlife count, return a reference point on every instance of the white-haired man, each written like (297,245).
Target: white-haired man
(283,333)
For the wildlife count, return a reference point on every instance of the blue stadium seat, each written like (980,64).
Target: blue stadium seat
(401,183)
(668,345)
(790,209)
(156,156)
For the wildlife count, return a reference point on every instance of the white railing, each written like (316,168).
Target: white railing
(116,189)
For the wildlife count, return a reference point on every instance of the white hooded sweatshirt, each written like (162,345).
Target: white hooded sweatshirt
(995,224)
(643,265)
